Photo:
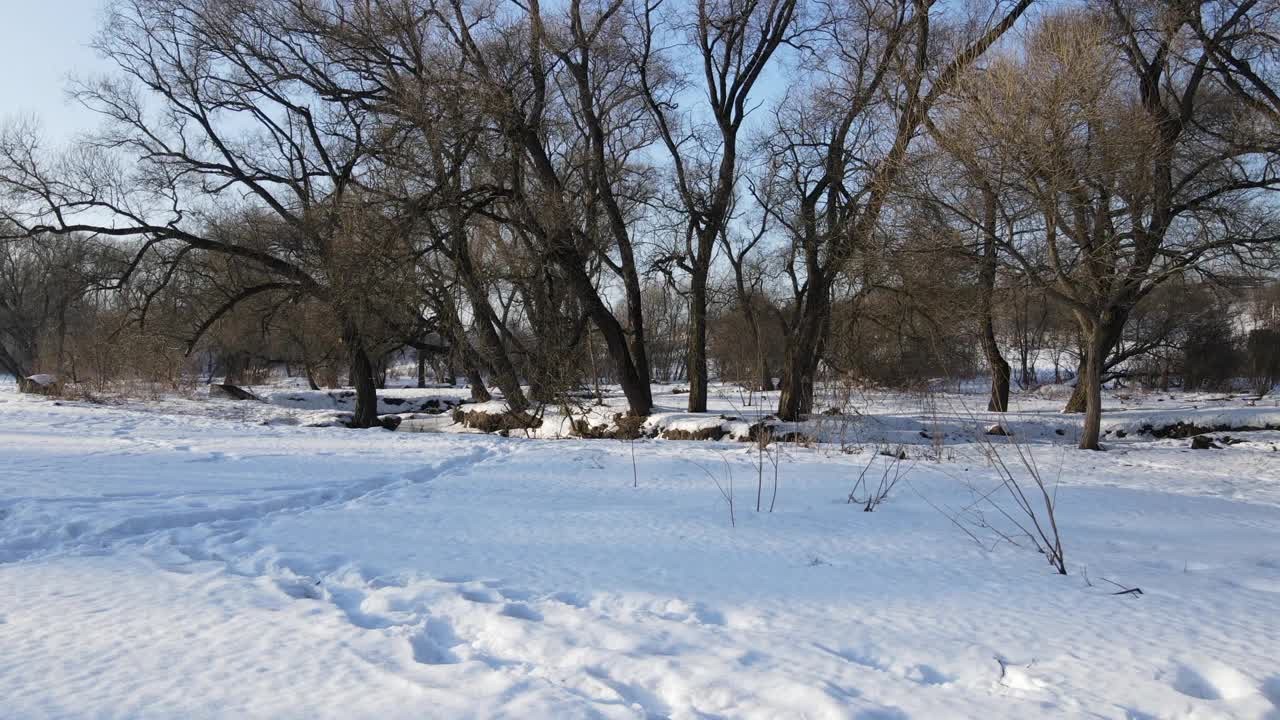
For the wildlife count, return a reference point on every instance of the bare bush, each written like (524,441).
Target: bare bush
(870,491)
(1033,518)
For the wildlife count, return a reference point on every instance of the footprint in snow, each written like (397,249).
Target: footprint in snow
(634,694)
(1017,677)
(571,599)
(520,611)
(1267,585)
(514,594)
(1270,688)
(708,616)
(928,675)
(300,588)
(1209,681)
(483,597)
(433,645)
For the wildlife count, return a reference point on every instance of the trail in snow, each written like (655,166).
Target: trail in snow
(31,533)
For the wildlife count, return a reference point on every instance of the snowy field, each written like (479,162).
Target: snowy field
(194,558)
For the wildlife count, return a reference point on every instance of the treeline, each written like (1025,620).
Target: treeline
(615,190)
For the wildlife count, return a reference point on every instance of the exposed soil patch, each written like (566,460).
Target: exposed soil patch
(1180,430)
(499,422)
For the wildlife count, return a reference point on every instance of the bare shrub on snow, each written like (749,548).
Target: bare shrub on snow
(725,487)
(1033,517)
(869,493)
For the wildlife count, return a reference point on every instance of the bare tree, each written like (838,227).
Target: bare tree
(749,277)
(561,91)
(734,41)
(965,200)
(219,108)
(1139,166)
(843,144)
(43,282)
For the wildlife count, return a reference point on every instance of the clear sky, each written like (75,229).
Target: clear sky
(42,42)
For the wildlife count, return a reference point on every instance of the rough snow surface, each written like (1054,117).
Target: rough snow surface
(181,559)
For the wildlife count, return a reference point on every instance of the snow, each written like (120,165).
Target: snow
(389,401)
(182,559)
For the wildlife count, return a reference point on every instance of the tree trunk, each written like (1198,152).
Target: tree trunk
(62,340)
(1103,337)
(234,368)
(633,365)
(1077,402)
(803,349)
(422,369)
(999,400)
(796,398)
(311,376)
(766,378)
(763,377)
(495,353)
(1091,381)
(479,393)
(697,355)
(366,412)
(634,386)
(471,363)
(630,361)
(1000,373)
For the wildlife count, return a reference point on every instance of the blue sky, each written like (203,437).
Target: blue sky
(41,43)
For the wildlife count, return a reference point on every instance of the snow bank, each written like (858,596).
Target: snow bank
(1207,419)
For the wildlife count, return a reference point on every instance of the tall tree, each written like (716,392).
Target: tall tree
(218,109)
(562,92)
(843,145)
(1138,163)
(734,41)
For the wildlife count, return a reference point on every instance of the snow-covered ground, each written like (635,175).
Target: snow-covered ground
(191,558)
